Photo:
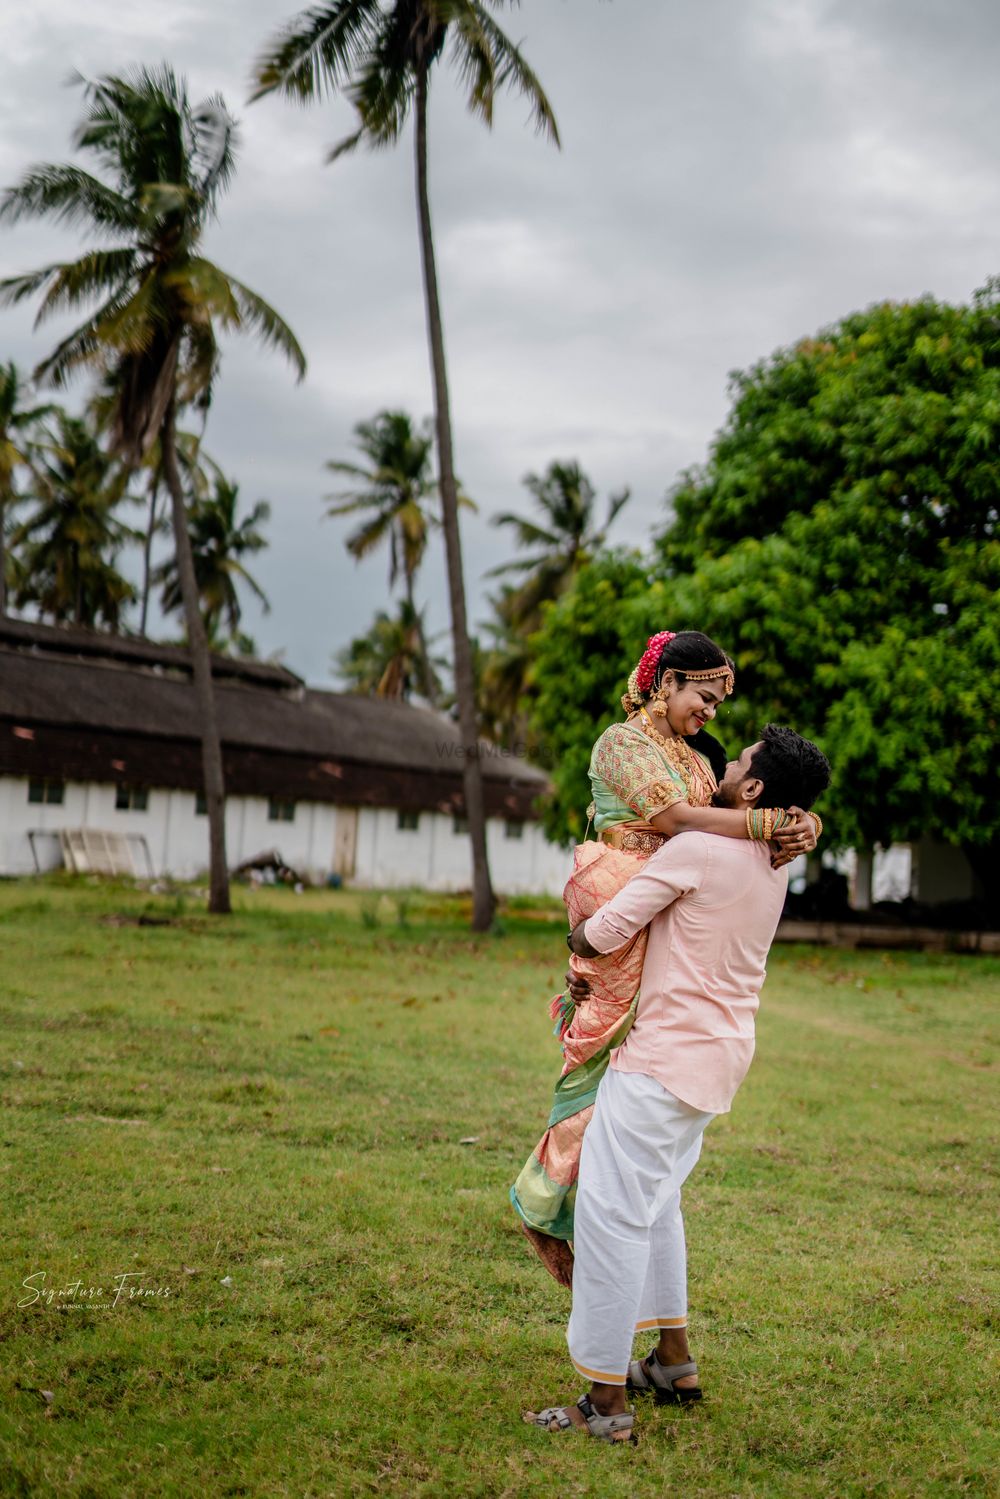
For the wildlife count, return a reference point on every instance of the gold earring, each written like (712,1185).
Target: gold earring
(658,702)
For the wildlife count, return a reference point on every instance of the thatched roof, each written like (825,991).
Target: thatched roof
(71,640)
(126,715)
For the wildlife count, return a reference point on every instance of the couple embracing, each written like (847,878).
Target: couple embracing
(672,909)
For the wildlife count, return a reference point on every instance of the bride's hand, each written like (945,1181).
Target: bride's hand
(798,838)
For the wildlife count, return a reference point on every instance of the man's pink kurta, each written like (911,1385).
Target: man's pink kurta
(712,905)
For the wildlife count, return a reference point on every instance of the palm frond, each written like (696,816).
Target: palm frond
(527,532)
(269,326)
(317,52)
(14,289)
(239,571)
(136,125)
(79,347)
(197,283)
(71,196)
(616,503)
(352,470)
(368,536)
(384,86)
(80,280)
(131,324)
(213,146)
(343,147)
(197,367)
(488,62)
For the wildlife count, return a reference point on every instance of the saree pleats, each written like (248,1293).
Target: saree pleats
(545,1190)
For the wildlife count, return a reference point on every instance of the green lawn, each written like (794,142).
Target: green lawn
(264,1117)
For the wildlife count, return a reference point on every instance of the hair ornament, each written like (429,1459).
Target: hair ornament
(648,662)
(641,677)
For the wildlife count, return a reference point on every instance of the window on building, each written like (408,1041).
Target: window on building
(200,804)
(513,829)
(459,824)
(280,811)
(50,792)
(408,822)
(131,798)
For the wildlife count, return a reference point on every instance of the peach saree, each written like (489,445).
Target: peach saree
(632,779)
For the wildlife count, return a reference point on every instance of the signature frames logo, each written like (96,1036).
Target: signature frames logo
(78,1293)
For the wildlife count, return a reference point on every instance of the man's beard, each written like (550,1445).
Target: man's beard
(729,797)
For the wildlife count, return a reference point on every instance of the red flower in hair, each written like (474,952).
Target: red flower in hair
(646,670)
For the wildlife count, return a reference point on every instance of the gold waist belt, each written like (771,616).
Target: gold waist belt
(634,838)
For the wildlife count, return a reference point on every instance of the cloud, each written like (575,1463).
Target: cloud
(734,174)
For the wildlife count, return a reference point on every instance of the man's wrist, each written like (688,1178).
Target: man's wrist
(577,942)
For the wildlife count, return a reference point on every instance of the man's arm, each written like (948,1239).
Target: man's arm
(671,872)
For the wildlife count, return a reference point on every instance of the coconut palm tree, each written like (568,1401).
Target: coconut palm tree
(66,548)
(219,542)
(395,496)
(390,660)
(101,409)
(160,306)
(18,443)
(503,676)
(381,56)
(561,541)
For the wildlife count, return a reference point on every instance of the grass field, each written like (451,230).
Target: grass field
(299,1127)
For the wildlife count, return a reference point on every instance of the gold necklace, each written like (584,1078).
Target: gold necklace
(680,754)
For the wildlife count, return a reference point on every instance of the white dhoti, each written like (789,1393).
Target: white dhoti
(630,1264)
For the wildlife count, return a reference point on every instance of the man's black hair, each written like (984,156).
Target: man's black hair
(794,771)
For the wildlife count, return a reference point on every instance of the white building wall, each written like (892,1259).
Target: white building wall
(892,871)
(433,857)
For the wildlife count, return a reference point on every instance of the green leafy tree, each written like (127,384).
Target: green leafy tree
(390,660)
(395,496)
(382,56)
(841,542)
(160,305)
(220,541)
(19,425)
(66,548)
(588,643)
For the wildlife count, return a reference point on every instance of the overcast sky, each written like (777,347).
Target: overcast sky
(734,174)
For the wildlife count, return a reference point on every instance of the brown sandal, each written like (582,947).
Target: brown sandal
(659,1380)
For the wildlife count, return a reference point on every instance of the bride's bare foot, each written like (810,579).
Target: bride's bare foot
(555,1255)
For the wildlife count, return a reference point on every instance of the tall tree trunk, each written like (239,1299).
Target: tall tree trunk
(201,666)
(3,556)
(78,592)
(864,869)
(483,902)
(984,861)
(147,550)
(426,674)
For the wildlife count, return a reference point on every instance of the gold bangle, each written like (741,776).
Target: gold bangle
(819,824)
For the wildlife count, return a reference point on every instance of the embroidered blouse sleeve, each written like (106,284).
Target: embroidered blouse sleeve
(633,768)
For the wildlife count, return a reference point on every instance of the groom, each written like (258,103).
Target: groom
(712,905)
